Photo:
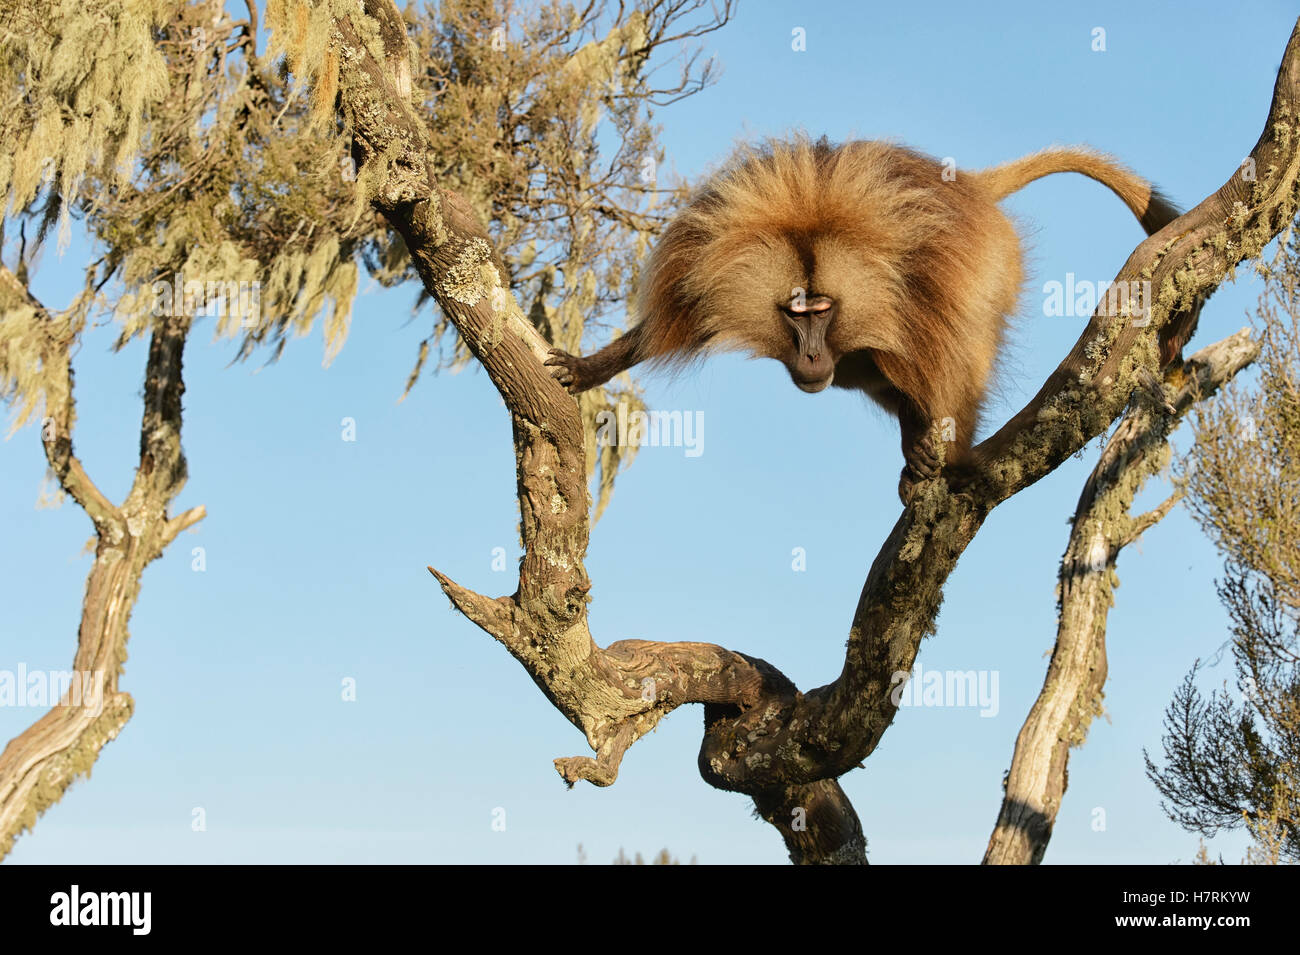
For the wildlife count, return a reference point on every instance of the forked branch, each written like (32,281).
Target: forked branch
(39,764)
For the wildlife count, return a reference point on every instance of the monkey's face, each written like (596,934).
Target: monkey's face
(809,358)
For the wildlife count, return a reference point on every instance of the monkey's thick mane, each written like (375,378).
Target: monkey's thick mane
(867,211)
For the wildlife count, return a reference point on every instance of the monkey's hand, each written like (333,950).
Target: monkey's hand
(922,462)
(572,371)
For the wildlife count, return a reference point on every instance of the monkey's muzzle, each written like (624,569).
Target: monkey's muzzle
(811,366)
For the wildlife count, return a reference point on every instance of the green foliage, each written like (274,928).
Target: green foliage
(192,157)
(1242,477)
(79,81)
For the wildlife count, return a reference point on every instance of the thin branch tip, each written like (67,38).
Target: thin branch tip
(575,768)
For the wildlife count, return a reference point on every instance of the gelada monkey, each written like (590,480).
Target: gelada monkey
(859,265)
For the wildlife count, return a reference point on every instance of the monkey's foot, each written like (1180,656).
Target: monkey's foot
(569,370)
(923,463)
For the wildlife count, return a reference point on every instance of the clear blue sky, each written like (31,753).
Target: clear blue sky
(316,548)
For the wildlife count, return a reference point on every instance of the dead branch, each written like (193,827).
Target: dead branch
(1101,527)
(39,764)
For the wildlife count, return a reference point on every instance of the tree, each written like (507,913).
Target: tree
(763,737)
(214,189)
(1228,764)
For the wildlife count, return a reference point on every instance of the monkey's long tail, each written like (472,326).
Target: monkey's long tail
(1152,209)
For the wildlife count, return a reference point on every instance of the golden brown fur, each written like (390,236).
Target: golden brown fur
(924,272)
